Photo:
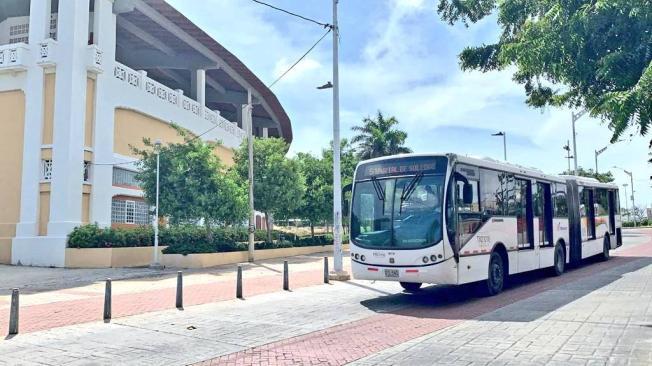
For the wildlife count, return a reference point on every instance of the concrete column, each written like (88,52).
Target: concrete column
(238,115)
(69,114)
(198,86)
(39,30)
(102,175)
(265,132)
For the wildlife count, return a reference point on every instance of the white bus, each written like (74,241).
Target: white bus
(452,219)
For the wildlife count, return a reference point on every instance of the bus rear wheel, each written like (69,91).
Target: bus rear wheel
(411,286)
(496,276)
(560,260)
(606,245)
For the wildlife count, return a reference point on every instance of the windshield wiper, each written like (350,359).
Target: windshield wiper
(409,189)
(378,188)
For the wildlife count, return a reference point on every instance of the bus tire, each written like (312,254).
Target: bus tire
(411,286)
(560,260)
(496,275)
(606,246)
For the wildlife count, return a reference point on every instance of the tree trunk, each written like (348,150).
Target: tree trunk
(312,230)
(209,231)
(269,228)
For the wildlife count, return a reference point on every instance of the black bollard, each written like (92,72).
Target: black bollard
(238,285)
(13,316)
(107,300)
(325,269)
(179,290)
(286,276)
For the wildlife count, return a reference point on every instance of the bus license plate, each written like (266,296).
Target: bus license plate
(392,273)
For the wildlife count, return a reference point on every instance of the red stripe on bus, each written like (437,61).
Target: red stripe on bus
(411,271)
(373,269)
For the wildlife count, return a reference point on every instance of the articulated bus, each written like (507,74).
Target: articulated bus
(453,219)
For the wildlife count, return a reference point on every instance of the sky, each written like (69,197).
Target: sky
(399,57)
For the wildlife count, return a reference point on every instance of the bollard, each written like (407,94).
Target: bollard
(286,276)
(13,316)
(325,269)
(107,300)
(238,285)
(179,290)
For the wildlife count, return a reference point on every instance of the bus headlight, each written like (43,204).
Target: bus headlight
(356,256)
(433,258)
(362,258)
(425,259)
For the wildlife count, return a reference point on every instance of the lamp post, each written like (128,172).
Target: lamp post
(626,208)
(631,180)
(504,135)
(250,153)
(575,117)
(597,153)
(157,148)
(568,155)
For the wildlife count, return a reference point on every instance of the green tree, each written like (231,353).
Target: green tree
(590,173)
(194,185)
(278,184)
(316,203)
(593,54)
(378,137)
(349,160)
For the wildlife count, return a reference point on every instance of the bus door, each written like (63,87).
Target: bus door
(543,222)
(612,212)
(528,252)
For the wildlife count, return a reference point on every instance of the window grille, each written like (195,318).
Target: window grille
(87,171)
(46,173)
(130,212)
(118,211)
(19,29)
(124,177)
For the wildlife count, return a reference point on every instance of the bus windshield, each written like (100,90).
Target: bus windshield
(402,212)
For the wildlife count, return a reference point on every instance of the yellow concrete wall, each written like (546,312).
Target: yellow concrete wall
(131,127)
(86,206)
(12,124)
(109,257)
(48,109)
(44,211)
(90,112)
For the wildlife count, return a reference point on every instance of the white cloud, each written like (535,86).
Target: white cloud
(299,71)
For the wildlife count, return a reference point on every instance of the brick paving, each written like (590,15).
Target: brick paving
(346,343)
(596,314)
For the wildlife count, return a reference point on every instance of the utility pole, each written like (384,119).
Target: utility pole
(631,180)
(575,117)
(626,197)
(250,144)
(568,155)
(157,148)
(504,135)
(338,270)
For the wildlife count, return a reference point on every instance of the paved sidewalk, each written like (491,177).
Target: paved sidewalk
(600,313)
(147,291)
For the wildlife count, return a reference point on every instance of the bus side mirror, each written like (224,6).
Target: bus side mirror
(467,194)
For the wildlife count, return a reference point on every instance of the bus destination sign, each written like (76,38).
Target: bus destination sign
(402,166)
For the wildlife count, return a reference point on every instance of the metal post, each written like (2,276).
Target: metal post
(339,273)
(574,118)
(250,145)
(286,276)
(238,285)
(179,301)
(629,217)
(107,300)
(326,270)
(13,315)
(505,145)
(157,147)
(631,179)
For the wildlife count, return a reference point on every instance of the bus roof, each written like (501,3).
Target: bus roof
(503,166)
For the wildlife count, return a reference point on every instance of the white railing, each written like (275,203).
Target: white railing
(94,59)
(191,108)
(13,56)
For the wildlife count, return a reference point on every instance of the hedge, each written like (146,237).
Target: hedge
(186,239)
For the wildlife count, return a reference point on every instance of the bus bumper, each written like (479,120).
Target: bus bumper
(444,273)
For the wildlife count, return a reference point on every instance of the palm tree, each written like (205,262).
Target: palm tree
(377,137)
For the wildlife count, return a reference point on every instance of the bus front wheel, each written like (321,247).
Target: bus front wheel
(411,286)
(496,276)
(560,260)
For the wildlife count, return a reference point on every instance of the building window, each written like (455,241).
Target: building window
(87,171)
(129,212)
(46,170)
(124,177)
(19,29)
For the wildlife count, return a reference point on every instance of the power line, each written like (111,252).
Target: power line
(325,25)
(300,58)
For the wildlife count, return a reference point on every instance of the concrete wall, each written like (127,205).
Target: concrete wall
(12,122)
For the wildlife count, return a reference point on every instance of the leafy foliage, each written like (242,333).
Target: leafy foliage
(194,184)
(278,183)
(378,137)
(317,199)
(602,177)
(593,54)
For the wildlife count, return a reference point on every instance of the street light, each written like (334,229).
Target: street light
(631,180)
(157,150)
(575,117)
(626,208)
(597,153)
(504,135)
